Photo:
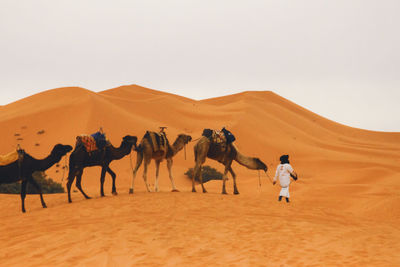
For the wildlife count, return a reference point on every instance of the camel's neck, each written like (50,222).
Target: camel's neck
(177,146)
(50,160)
(121,151)
(249,162)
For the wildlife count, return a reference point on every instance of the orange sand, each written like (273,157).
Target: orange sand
(344,209)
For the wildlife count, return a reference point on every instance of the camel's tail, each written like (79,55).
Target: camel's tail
(249,162)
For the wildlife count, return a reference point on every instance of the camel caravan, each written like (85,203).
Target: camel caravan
(96,150)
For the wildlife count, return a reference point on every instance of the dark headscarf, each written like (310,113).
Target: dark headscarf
(284,159)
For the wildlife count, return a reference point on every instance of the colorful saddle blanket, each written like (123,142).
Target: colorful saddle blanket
(158,141)
(218,137)
(88,142)
(9,158)
(92,142)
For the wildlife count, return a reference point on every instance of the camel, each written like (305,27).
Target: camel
(26,165)
(145,152)
(80,158)
(206,149)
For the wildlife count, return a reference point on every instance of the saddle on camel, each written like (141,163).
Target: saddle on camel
(158,140)
(11,157)
(220,139)
(16,155)
(93,142)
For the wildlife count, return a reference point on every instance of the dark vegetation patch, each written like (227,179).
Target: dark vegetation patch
(208,173)
(47,184)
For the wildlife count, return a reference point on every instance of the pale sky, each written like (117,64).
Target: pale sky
(337,58)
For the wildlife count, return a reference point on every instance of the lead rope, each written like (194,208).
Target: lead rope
(259,179)
(196,139)
(184,148)
(269,178)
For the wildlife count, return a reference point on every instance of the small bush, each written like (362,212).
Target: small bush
(208,173)
(47,184)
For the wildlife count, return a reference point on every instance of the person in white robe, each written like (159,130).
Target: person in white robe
(284,172)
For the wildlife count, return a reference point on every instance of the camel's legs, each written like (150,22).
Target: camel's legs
(145,165)
(35,184)
(169,166)
(70,179)
(200,159)
(113,175)
(78,184)
(157,173)
(23,194)
(201,180)
(197,173)
(200,154)
(102,178)
(235,190)
(224,178)
(138,163)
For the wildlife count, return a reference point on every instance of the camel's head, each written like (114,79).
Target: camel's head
(61,150)
(186,138)
(261,165)
(130,140)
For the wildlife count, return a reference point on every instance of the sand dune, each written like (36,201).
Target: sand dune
(344,208)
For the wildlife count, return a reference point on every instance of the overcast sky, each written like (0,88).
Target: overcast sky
(340,59)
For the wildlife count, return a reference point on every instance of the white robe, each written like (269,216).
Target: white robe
(282,173)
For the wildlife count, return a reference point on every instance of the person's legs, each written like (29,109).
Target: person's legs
(284,193)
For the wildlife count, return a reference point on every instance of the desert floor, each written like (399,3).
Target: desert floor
(317,228)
